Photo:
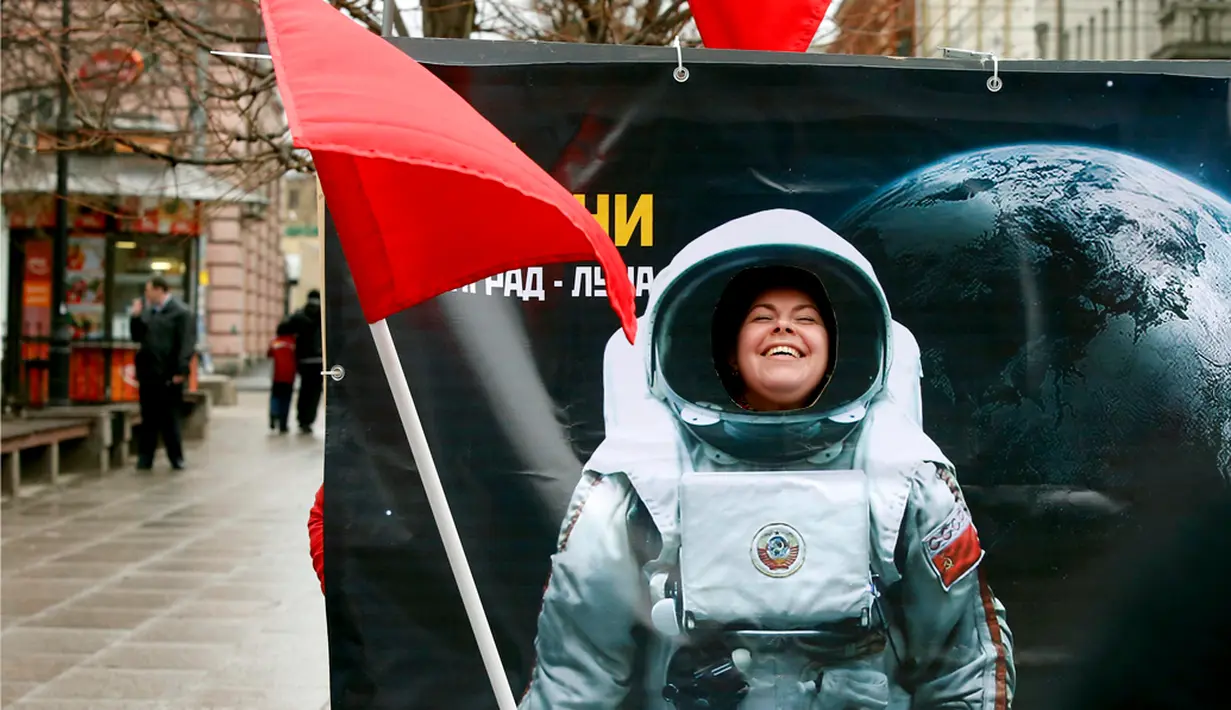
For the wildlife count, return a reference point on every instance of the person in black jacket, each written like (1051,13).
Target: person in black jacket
(167,333)
(306,323)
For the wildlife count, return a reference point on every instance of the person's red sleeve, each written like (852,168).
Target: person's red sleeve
(316,535)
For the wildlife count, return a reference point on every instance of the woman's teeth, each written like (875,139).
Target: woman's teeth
(784,350)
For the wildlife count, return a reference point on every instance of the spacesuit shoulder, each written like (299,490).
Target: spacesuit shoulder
(942,525)
(599,499)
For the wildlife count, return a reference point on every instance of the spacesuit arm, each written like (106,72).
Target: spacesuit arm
(959,649)
(595,594)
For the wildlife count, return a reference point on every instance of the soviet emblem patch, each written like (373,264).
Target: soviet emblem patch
(777,550)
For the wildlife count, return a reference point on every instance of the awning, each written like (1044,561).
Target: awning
(120,175)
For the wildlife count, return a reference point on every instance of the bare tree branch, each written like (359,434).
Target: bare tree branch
(655,22)
(164,96)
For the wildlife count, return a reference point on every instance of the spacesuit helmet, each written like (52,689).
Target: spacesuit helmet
(695,317)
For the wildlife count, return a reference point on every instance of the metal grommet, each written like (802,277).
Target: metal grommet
(994,83)
(337,372)
(681,71)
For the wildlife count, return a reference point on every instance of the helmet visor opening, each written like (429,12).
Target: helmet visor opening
(701,317)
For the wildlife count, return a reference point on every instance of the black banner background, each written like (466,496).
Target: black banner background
(751,131)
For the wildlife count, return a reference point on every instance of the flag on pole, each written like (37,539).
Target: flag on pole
(426,194)
(778,26)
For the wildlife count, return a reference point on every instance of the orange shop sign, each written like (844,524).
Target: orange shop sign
(111,67)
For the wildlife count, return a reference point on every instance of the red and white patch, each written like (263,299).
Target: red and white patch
(953,548)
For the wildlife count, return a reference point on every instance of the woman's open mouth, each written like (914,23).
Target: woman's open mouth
(783,352)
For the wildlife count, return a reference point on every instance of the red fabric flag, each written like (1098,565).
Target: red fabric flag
(316,535)
(427,195)
(777,26)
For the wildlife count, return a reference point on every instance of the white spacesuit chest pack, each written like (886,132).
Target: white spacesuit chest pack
(774,550)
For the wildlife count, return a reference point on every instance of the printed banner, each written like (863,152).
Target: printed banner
(926,376)
(86,285)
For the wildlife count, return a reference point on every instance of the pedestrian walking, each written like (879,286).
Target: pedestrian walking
(306,323)
(166,332)
(282,352)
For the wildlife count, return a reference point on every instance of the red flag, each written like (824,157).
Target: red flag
(427,195)
(777,26)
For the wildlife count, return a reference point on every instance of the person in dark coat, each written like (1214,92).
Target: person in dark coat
(306,323)
(167,334)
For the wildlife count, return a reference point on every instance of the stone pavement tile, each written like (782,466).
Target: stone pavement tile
(32,588)
(166,524)
(275,573)
(223,609)
(93,571)
(18,606)
(206,574)
(190,556)
(203,566)
(206,631)
(114,684)
(57,507)
(32,704)
(22,640)
(164,656)
(252,699)
(62,533)
(11,692)
(242,592)
(165,582)
(73,529)
(116,552)
(108,597)
(36,667)
(73,618)
(116,515)
(171,538)
(22,553)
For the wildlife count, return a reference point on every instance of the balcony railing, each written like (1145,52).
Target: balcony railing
(1194,30)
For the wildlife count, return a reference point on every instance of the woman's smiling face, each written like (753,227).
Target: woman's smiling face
(783,350)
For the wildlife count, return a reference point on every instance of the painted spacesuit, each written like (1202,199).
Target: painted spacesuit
(820,558)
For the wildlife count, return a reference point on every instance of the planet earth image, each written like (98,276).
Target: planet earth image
(1072,306)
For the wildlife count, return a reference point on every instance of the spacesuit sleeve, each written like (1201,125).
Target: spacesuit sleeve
(585,646)
(959,648)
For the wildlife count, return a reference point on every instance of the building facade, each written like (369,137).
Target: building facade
(1037,29)
(301,242)
(208,222)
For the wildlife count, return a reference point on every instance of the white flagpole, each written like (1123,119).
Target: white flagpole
(440,511)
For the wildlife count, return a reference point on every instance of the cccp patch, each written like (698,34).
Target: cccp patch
(778,550)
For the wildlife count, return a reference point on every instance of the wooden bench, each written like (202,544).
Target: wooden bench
(24,437)
(221,389)
(108,446)
(197,406)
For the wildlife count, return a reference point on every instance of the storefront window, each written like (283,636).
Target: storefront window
(139,257)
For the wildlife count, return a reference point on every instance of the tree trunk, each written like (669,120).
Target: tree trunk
(448,18)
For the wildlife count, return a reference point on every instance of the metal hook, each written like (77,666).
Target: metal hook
(681,71)
(994,83)
(337,372)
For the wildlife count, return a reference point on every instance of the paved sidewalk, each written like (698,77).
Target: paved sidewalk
(171,591)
